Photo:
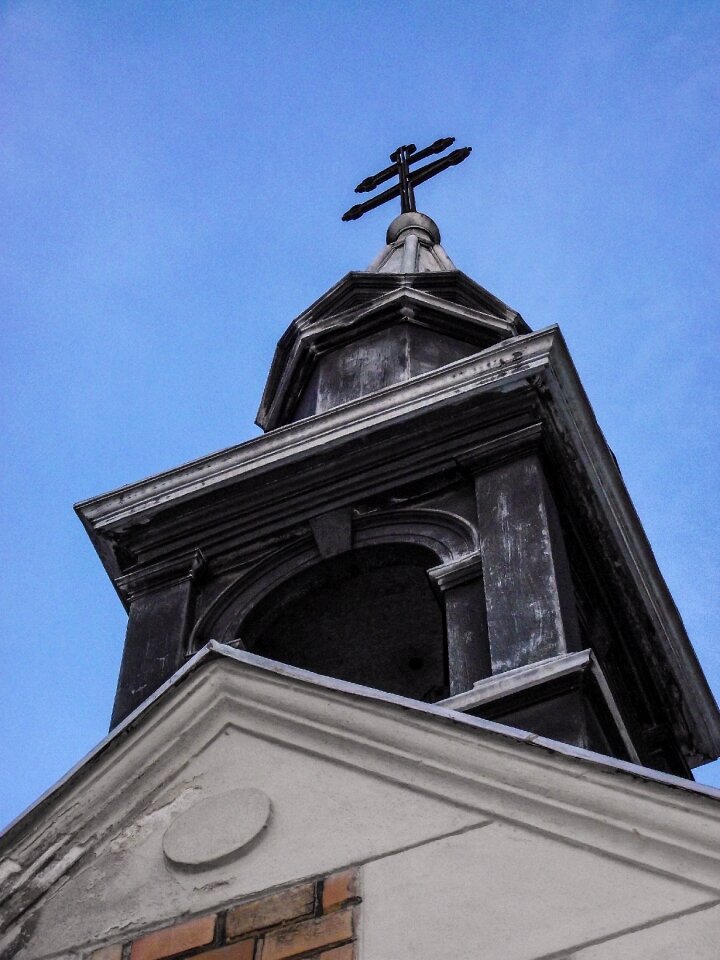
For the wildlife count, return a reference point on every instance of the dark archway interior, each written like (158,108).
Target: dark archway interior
(368,616)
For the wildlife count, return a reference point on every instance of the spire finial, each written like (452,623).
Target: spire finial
(407,181)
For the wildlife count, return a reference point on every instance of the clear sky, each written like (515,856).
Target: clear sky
(173,175)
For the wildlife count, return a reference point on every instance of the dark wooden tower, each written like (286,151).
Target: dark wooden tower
(433,511)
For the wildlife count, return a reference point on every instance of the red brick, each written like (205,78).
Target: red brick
(242,950)
(113,952)
(346,952)
(285,942)
(172,940)
(267,911)
(338,889)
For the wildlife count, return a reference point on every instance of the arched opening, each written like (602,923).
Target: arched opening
(368,616)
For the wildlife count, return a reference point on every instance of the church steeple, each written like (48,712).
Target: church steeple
(440,517)
(410,312)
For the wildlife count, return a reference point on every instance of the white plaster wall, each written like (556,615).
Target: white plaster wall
(694,936)
(324,816)
(503,893)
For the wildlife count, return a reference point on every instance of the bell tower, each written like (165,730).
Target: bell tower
(432,511)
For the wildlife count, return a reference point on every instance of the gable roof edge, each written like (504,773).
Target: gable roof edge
(214,650)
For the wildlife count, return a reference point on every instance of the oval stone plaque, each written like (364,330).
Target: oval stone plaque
(217,829)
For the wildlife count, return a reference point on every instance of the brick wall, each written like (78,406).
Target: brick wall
(316,919)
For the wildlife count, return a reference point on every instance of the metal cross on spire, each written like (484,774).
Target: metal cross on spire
(405,188)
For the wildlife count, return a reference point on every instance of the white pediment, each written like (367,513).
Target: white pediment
(167,818)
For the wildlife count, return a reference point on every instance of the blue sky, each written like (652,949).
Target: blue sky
(173,175)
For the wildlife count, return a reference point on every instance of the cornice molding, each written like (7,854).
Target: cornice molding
(534,676)
(499,367)
(652,820)
(310,337)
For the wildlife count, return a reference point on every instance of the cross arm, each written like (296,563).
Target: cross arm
(416,177)
(369,183)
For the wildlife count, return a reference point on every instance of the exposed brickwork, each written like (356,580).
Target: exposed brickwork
(308,936)
(315,920)
(346,952)
(241,950)
(177,939)
(267,912)
(338,889)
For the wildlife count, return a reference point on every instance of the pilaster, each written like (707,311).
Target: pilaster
(461,584)
(159,623)
(528,591)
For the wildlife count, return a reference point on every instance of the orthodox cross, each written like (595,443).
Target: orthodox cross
(405,188)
